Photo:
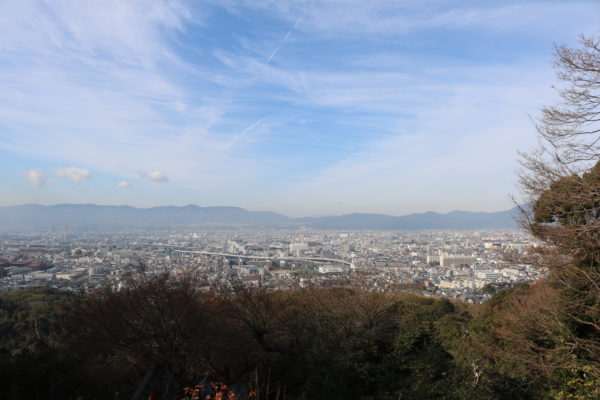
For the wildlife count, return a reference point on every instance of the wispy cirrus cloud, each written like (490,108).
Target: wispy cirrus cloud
(427,158)
(106,78)
(384,17)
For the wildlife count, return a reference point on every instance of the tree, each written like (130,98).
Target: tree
(569,132)
(562,179)
(150,321)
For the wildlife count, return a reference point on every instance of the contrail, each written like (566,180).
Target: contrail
(285,39)
(243,133)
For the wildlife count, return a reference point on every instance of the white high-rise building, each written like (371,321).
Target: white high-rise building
(457,259)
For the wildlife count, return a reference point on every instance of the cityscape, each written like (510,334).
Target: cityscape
(466,265)
(298,199)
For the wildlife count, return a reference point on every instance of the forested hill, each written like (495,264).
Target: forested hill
(97,216)
(321,344)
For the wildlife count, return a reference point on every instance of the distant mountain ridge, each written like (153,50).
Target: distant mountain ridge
(97,216)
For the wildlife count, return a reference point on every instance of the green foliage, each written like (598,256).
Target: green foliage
(503,298)
(576,384)
(37,361)
(489,289)
(28,316)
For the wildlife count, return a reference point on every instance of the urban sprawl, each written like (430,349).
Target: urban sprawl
(468,265)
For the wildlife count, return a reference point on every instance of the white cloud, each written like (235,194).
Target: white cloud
(384,17)
(112,83)
(124,184)
(37,177)
(86,30)
(155,176)
(74,174)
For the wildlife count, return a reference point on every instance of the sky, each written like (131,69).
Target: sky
(307,108)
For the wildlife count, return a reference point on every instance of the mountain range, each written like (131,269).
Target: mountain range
(98,216)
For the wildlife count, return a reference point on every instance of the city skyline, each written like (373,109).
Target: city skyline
(298,107)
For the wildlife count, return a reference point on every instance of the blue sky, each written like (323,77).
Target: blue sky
(313,107)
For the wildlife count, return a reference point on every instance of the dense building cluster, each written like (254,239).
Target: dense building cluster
(469,265)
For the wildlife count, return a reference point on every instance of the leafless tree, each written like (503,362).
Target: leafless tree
(562,179)
(568,132)
(150,320)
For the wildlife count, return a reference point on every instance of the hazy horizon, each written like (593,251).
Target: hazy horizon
(302,108)
(252,210)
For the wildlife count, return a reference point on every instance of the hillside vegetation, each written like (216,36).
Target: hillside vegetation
(302,344)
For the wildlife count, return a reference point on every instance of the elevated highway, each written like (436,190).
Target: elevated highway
(252,257)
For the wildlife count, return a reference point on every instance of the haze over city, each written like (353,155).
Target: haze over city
(297,107)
